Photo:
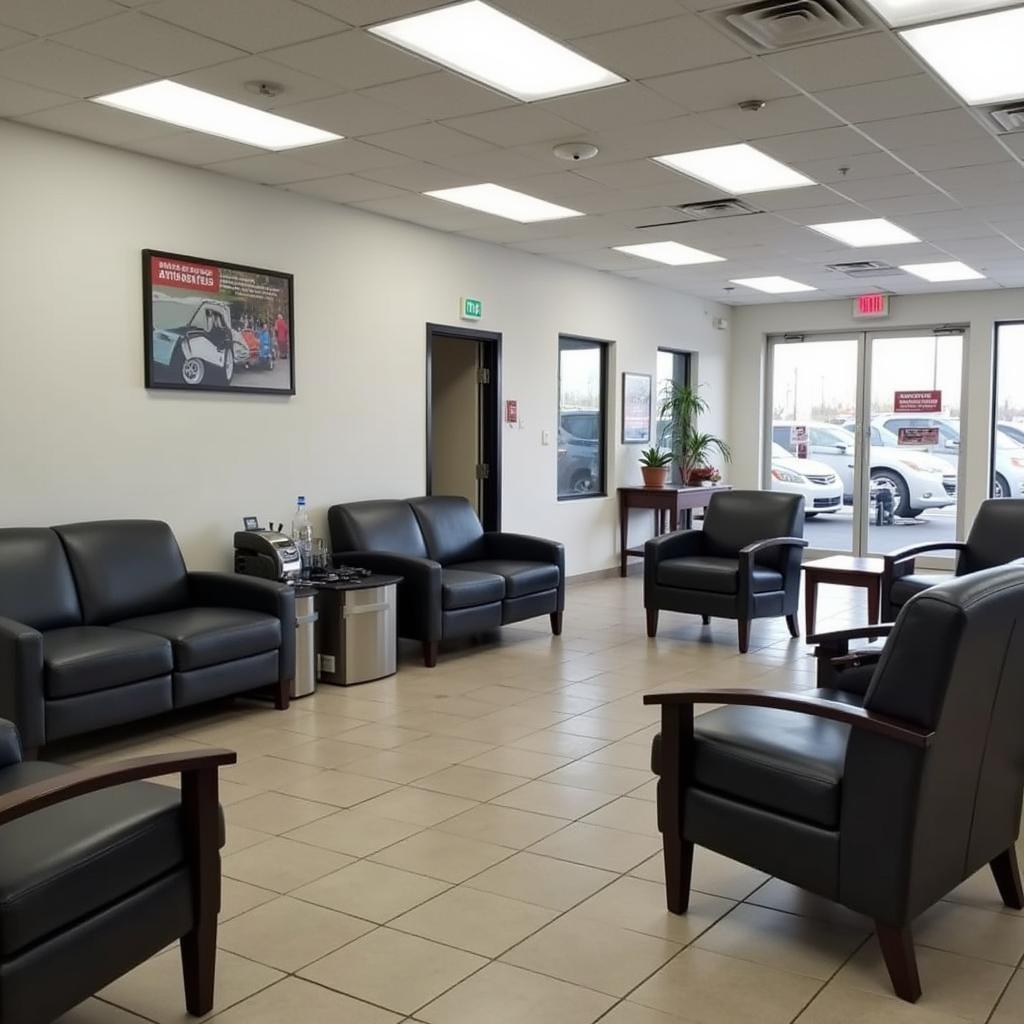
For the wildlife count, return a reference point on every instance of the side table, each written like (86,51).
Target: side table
(845,571)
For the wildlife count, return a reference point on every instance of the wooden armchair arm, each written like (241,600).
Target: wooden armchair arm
(845,635)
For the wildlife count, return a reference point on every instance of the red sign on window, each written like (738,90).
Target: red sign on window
(917,401)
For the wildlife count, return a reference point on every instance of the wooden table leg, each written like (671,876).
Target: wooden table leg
(810,600)
(623,533)
(874,599)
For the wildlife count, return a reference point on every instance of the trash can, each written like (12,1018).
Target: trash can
(356,631)
(304,682)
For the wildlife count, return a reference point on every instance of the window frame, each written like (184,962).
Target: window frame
(602,345)
(994,406)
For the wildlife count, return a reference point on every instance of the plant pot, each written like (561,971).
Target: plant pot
(654,476)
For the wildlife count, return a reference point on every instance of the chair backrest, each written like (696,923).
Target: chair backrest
(124,568)
(735,519)
(996,537)
(451,528)
(385,525)
(36,585)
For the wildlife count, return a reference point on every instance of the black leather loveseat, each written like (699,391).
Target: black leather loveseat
(101,623)
(457,580)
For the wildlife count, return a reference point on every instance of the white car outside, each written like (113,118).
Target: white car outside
(821,488)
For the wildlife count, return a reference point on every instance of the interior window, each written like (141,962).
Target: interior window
(582,386)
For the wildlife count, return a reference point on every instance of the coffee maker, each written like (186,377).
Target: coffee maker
(267,553)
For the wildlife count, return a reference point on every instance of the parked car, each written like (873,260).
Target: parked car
(821,488)
(917,480)
(582,424)
(192,340)
(1014,430)
(578,468)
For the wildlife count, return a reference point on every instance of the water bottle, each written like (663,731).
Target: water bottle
(302,533)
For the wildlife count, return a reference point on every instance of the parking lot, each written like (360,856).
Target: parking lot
(834,532)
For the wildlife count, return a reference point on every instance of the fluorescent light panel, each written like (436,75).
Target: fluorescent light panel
(203,112)
(675,254)
(736,169)
(907,12)
(865,232)
(482,43)
(979,58)
(503,202)
(773,285)
(952,270)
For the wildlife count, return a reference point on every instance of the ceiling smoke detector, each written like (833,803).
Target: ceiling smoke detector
(752,105)
(269,90)
(575,151)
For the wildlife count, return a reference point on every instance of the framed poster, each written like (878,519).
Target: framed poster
(215,326)
(636,408)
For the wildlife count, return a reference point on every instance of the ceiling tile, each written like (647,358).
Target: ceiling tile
(954,154)
(516,126)
(837,209)
(12,37)
(438,95)
(148,44)
(496,165)
(558,186)
(660,48)
(349,114)
(918,94)
(794,198)
(229,80)
(433,213)
(44,17)
(355,60)
(344,188)
(721,85)
(615,105)
(836,170)
(987,249)
(49,65)
(885,188)
(370,12)
(779,117)
(570,18)
(826,143)
(1015,143)
(193,148)
(429,141)
(656,138)
(946,224)
(252,25)
(17,98)
(419,176)
(926,203)
(347,156)
(986,176)
(902,133)
(629,174)
(101,124)
(269,169)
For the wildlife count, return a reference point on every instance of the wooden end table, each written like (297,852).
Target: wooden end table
(844,571)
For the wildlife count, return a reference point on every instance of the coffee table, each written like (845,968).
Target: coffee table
(844,571)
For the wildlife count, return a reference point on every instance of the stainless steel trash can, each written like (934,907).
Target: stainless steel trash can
(306,616)
(357,630)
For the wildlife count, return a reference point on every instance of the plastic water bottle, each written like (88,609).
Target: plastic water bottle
(302,533)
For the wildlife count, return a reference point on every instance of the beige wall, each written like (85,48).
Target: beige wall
(455,418)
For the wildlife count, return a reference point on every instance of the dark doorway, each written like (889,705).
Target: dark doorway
(464,417)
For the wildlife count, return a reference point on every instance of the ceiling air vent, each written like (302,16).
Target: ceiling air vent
(714,209)
(1009,119)
(866,268)
(778,24)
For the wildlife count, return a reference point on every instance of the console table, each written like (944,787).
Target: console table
(667,502)
(845,571)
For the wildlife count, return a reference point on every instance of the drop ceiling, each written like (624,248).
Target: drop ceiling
(859,114)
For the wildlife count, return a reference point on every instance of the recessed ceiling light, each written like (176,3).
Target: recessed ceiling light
(978,57)
(953,270)
(673,253)
(774,285)
(865,232)
(478,41)
(203,112)
(906,12)
(503,202)
(736,169)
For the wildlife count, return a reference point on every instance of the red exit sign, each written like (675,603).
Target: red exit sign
(872,305)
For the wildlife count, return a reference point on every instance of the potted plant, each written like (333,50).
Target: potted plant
(682,406)
(654,465)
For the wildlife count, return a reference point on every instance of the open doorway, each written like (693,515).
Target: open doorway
(464,418)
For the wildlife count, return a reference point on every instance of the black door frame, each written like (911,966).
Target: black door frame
(490,420)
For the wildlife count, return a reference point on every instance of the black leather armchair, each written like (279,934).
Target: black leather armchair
(882,800)
(744,564)
(996,537)
(457,579)
(99,871)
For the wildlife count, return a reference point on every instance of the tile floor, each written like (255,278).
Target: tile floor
(476,844)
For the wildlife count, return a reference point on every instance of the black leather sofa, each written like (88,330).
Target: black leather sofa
(101,623)
(457,580)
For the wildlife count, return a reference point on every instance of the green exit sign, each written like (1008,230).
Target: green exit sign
(471,309)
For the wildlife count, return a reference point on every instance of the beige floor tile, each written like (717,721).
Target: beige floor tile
(417,806)
(505,826)
(371,891)
(548,883)
(501,696)
(325,753)
(317,724)
(1011,1007)
(628,814)
(593,954)
(712,873)
(840,1005)
(633,1013)
(440,855)
(238,838)
(399,766)
(382,736)
(154,989)
(957,985)
(523,763)
(479,922)
(238,897)
(790,899)
(450,749)
(355,832)
(267,772)
(293,1001)
(547,798)
(605,778)
(275,812)
(338,788)
(624,754)
(501,994)
(95,1011)
(390,969)
(281,864)
(979,891)
(972,932)
(230,792)
(558,744)
(288,934)
(471,783)
(598,847)
(717,989)
(593,726)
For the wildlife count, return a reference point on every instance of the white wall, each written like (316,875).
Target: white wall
(979,310)
(82,438)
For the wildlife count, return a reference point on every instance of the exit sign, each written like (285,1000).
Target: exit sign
(873,305)
(471,309)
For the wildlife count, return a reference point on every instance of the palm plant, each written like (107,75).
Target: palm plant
(681,408)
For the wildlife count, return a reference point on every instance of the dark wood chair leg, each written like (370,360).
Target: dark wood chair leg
(743,629)
(678,868)
(556,623)
(283,694)
(430,653)
(900,960)
(705,620)
(794,625)
(1007,875)
(652,621)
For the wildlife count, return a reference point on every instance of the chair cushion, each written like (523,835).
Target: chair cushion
(36,586)
(210,636)
(450,527)
(67,861)
(904,588)
(384,525)
(717,575)
(84,659)
(521,578)
(462,588)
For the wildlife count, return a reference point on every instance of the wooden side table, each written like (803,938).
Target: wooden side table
(845,571)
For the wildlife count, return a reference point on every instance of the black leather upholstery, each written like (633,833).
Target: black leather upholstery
(907,586)
(388,525)
(83,659)
(463,587)
(520,578)
(36,585)
(720,575)
(735,519)
(450,527)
